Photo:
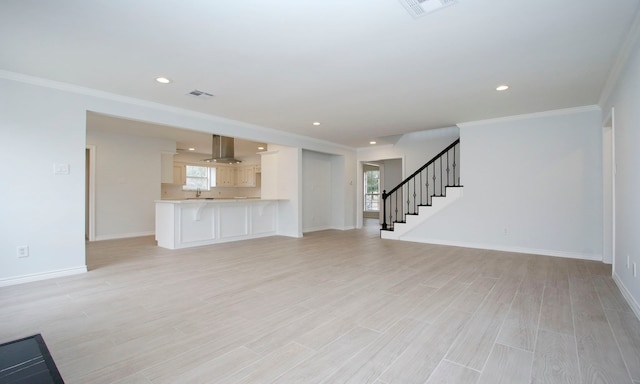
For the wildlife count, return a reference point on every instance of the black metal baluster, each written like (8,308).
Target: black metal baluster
(384,209)
(415,210)
(434,181)
(396,206)
(426,176)
(454,165)
(448,169)
(421,188)
(440,176)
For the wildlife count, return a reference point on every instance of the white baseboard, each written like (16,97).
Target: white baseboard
(316,229)
(325,228)
(124,235)
(42,276)
(627,295)
(503,248)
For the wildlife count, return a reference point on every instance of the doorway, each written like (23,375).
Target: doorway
(90,193)
(372,184)
(390,176)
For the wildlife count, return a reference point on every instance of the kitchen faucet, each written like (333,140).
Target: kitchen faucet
(198,192)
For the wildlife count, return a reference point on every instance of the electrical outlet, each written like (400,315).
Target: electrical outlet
(23,251)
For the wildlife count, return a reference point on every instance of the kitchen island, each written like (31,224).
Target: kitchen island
(195,222)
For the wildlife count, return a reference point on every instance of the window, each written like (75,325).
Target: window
(372,190)
(198,177)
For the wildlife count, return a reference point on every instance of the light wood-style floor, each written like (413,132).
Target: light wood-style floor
(333,307)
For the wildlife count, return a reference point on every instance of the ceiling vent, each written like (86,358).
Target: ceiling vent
(200,94)
(418,8)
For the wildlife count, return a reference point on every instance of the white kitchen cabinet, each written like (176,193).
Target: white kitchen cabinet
(225,176)
(179,174)
(246,176)
(191,223)
(166,168)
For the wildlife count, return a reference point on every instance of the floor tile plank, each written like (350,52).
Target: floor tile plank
(507,365)
(368,364)
(520,328)
(329,359)
(333,305)
(450,373)
(555,359)
(626,329)
(427,349)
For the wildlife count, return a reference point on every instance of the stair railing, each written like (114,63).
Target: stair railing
(428,181)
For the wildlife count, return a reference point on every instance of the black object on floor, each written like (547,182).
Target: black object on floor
(27,361)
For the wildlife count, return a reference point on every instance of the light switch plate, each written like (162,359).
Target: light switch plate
(60,169)
(22,251)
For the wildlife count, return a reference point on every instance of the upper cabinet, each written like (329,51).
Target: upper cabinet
(179,174)
(246,176)
(235,176)
(225,176)
(166,166)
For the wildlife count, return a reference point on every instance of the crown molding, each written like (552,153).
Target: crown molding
(536,115)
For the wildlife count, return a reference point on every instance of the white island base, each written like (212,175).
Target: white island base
(191,223)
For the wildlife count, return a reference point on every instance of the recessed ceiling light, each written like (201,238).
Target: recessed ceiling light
(503,87)
(192,149)
(163,80)
(372,142)
(260,148)
(316,123)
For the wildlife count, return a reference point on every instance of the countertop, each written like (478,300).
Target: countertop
(214,200)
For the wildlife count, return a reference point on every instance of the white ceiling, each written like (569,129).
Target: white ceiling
(363,68)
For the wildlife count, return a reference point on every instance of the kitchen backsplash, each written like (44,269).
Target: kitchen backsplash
(171,191)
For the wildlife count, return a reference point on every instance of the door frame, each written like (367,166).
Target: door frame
(609,190)
(380,167)
(90,194)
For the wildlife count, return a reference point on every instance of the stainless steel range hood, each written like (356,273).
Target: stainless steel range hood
(222,150)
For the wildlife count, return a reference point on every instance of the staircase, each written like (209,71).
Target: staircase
(430,189)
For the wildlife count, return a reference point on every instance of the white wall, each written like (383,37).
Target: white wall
(342,192)
(289,188)
(531,184)
(44,122)
(316,191)
(40,127)
(327,192)
(392,175)
(420,147)
(127,173)
(345,181)
(537,176)
(624,99)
